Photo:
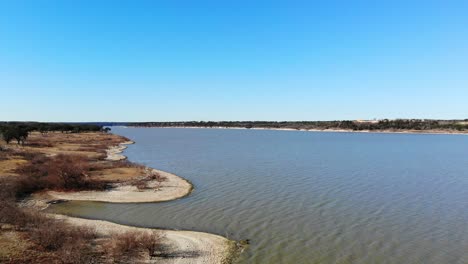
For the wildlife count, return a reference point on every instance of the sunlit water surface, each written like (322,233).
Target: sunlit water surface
(308,197)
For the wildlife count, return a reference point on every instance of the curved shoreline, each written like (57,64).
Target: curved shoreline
(114,153)
(189,247)
(173,188)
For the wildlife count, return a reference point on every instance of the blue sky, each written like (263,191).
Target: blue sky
(232,60)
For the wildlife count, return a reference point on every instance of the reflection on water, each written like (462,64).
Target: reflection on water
(306,197)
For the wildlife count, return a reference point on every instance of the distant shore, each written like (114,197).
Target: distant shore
(423,132)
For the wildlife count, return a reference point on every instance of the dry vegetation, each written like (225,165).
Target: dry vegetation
(64,162)
(28,236)
(142,183)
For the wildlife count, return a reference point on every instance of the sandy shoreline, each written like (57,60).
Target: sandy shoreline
(429,132)
(114,153)
(183,247)
(173,188)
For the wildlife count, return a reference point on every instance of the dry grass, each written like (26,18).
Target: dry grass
(57,161)
(8,167)
(71,143)
(116,174)
(14,248)
(93,146)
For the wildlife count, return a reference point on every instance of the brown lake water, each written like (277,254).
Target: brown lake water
(308,197)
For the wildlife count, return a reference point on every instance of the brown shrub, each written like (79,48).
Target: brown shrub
(126,164)
(61,172)
(77,252)
(154,175)
(8,188)
(54,235)
(10,214)
(34,219)
(151,242)
(126,244)
(151,175)
(141,184)
(28,185)
(51,236)
(132,243)
(67,172)
(36,167)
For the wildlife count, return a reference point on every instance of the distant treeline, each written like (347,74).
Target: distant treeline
(19,131)
(355,125)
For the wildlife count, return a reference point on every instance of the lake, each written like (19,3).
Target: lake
(308,197)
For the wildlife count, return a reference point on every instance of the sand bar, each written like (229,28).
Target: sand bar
(173,188)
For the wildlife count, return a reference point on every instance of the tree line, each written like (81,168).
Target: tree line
(19,131)
(385,124)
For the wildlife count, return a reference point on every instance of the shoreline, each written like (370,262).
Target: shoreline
(114,153)
(411,132)
(173,188)
(188,247)
(184,247)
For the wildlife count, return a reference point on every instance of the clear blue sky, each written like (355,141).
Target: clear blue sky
(232,60)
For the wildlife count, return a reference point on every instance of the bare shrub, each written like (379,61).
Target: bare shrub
(52,236)
(77,252)
(67,172)
(27,185)
(10,214)
(36,167)
(8,189)
(151,242)
(61,172)
(85,232)
(126,244)
(126,164)
(154,175)
(131,243)
(151,175)
(78,246)
(34,219)
(141,184)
